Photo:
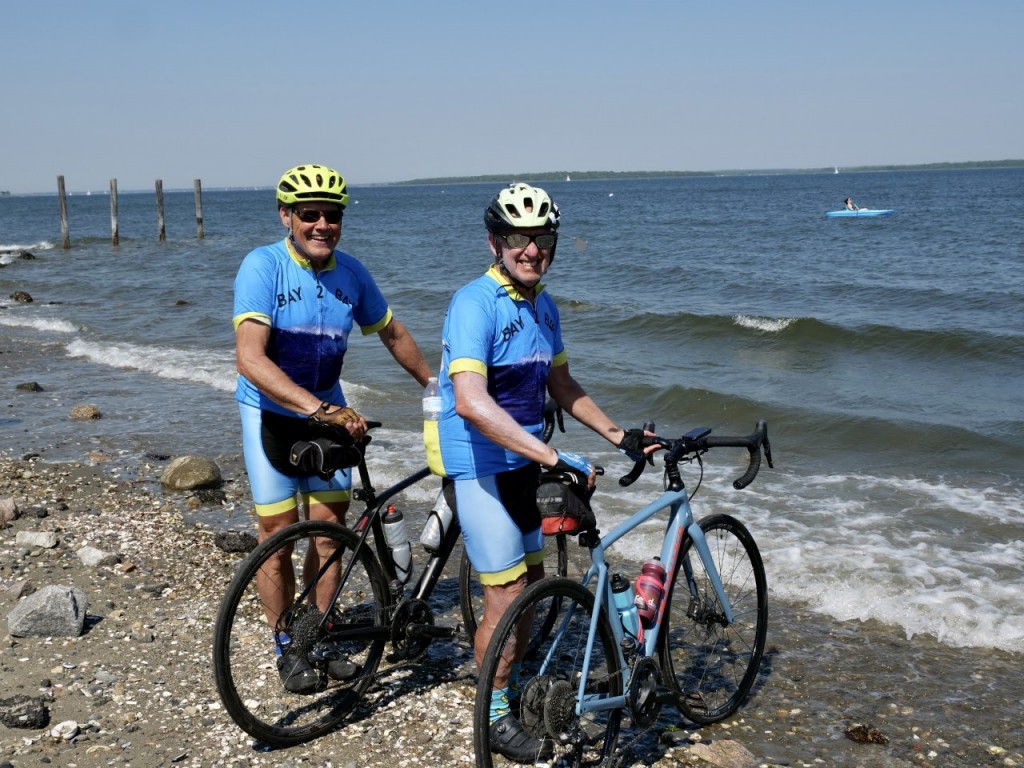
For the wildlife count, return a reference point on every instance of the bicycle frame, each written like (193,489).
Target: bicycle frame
(680,523)
(371,519)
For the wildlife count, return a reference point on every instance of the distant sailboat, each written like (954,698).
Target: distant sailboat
(567,177)
(835,170)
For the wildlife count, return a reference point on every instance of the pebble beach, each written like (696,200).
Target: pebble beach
(136,687)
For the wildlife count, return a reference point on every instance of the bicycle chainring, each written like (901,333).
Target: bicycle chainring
(405,641)
(642,696)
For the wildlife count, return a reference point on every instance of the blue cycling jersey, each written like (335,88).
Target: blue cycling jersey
(493,330)
(310,315)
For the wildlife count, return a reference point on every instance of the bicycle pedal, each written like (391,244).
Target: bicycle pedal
(320,654)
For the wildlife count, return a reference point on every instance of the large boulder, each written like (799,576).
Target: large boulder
(53,611)
(187,473)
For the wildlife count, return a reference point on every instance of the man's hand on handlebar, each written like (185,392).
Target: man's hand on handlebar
(636,447)
(340,416)
(578,466)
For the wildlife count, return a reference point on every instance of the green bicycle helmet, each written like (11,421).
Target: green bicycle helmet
(312,183)
(520,206)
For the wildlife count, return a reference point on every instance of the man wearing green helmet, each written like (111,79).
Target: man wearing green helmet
(502,354)
(295,304)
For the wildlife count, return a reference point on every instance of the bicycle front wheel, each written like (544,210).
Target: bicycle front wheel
(471,592)
(342,640)
(711,664)
(546,695)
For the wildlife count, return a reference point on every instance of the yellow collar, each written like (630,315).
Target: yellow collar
(513,290)
(302,261)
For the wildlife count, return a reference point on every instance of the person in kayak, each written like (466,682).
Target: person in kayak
(850,205)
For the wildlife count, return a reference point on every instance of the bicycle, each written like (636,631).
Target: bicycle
(346,611)
(701,651)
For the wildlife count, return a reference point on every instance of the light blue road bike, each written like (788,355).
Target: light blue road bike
(701,651)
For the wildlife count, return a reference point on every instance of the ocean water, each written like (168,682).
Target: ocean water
(885,355)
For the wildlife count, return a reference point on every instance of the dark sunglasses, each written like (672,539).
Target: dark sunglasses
(519,241)
(312,215)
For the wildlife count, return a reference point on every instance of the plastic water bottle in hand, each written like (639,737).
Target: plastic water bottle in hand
(432,400)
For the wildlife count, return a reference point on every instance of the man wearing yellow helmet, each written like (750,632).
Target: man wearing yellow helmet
(295,303)
(502,355)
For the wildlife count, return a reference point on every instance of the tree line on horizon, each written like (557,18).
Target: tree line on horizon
(542,176)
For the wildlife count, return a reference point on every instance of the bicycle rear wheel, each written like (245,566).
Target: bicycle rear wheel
(471,591)
(711,665)
(551,671)
(354,631)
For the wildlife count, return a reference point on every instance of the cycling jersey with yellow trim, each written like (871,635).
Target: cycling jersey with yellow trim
(310,315)
(493,330)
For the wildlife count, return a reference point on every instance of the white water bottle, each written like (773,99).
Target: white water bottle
(432,400)
(398,542)
(438,522)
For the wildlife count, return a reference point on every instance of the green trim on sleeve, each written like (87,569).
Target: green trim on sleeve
(466,364)
(378,326)
(259,317)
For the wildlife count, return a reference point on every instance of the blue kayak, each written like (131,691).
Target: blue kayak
(861,212)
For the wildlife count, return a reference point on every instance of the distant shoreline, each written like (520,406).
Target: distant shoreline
(590,175)
(570,175)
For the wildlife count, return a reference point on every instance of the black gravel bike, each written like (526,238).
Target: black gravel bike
(348,610)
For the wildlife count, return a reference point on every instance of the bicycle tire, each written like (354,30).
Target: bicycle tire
(710,667)
(471,592)
(579,740)
(243,645)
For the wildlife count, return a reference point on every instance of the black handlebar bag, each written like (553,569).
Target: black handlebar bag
(297,448)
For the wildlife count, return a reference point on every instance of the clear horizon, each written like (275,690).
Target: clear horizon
(235,93)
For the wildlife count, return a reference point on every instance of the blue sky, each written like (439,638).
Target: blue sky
(234,93)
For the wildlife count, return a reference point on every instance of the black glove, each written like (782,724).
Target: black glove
(632,444)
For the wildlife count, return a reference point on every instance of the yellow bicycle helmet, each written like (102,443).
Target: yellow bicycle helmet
(520,206)
(312,183)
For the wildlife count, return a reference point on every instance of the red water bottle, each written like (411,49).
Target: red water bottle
(650,587)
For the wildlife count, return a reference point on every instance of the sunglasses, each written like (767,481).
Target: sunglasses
(312,215)
(519,241)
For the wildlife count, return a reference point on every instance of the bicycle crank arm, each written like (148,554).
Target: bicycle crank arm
(429,630)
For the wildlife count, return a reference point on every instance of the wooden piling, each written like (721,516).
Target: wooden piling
(199,208)
(63,212)
(160,209)
(115,237)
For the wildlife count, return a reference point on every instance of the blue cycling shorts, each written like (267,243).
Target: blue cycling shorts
(501,523)
(274,492)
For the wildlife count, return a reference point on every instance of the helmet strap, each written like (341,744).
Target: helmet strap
(299,250)
(529,292)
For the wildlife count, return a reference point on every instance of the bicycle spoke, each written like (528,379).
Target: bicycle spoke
(344,648)
(546,696)
(471,592)
(710,663)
